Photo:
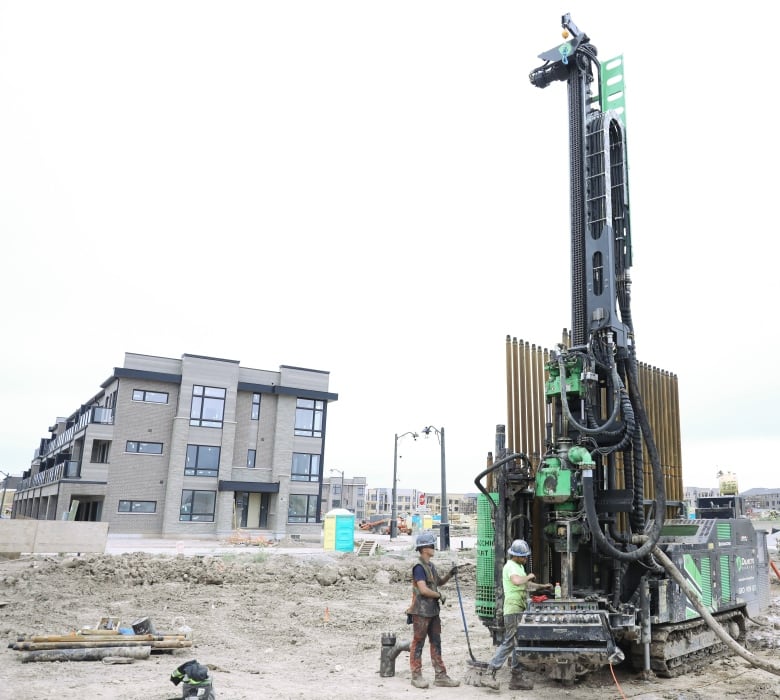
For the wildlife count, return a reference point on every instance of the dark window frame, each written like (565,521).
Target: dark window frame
(251,458)
(205,400)
(131,503)
(304,467)
(141,451)
(255,407)
(309,417)
(145,393)
(187,511)
(197,465)
(310,508)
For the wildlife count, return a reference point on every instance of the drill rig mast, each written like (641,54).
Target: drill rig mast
(593,503)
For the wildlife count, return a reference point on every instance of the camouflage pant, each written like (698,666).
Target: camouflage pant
(426,627)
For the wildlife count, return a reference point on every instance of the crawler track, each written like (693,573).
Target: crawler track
(684,647)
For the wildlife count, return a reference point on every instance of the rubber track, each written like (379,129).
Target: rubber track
(680,665)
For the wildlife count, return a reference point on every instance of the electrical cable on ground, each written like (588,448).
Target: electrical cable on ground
(614,678)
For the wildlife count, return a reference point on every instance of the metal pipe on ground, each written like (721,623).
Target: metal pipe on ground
(88,654)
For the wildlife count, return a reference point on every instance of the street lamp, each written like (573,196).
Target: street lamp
(444,534)
(341,499)
(394,505)
(5,488)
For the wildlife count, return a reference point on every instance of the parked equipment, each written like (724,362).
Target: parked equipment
(599,497)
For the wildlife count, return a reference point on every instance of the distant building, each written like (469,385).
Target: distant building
(8,486)
(762,499)
(353,498)
(196,446)
(410,501)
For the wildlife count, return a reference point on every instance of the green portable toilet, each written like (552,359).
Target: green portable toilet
(339,530)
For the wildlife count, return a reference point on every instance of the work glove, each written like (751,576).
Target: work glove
(453,571)
(178,675)
(442,598)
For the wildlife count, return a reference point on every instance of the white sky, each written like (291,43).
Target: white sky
(375,189)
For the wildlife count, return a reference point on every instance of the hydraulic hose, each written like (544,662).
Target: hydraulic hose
(492,468)
(658,481)
(616,383)
(724,636)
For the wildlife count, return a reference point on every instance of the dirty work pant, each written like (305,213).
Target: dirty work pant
(507,647)
(426,627)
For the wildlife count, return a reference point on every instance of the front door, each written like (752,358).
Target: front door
(265,501)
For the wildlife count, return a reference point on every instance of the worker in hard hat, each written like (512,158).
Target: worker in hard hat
(516,584)
(424,614)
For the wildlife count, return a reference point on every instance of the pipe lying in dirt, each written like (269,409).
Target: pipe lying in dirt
(709,619)
(87,654)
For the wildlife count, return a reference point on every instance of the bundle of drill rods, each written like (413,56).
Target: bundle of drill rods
(95,645)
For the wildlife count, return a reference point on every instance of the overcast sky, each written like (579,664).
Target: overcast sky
(375,189)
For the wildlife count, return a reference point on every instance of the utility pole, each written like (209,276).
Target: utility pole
(5,489)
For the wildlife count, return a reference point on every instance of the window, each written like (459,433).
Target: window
(255,406)
(137,507)
(305,467)
(202,460)
(148,448)
(302,509)
(150,396)
(250,458)
(208,406)
(308,417)
(100,451)
(197,506)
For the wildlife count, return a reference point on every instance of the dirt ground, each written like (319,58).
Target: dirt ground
(284,624)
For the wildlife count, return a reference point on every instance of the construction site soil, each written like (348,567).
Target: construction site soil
(273,623)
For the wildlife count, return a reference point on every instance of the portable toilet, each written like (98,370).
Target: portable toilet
(427,522)
(339,530)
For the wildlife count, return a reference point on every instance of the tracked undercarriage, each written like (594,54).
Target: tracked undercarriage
(678,649)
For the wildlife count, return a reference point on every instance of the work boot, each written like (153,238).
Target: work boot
(445,681)
(487,679)
(418,681)
(519,681)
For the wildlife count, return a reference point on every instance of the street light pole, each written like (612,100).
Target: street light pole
(444,530)
(5,488)
(394,504)
(342,500)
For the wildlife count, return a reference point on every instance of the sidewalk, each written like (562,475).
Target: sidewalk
(124,544)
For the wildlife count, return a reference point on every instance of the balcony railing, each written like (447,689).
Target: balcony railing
(47,476)
(96,414)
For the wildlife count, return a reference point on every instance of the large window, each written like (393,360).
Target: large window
(202,460)
(150,396)
(208,406)
(137,506)
(302,509)
(197,506)
(305,467)
(148,448)
(100,451)
(255,406)
(308,417)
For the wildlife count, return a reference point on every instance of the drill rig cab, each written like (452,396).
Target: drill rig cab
(579,473)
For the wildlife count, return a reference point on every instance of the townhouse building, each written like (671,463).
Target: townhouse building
(189,447)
